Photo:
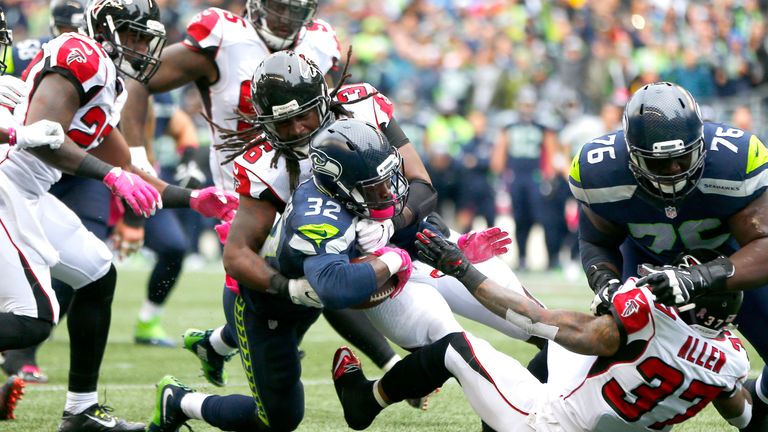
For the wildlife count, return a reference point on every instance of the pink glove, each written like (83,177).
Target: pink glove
(222,230)
(213,203)
(140,195)
(116,210)
(404,273)
(484,245)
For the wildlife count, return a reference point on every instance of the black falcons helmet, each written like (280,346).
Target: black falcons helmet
(662,122)
(139,23)
(354,163)
(66,14)
(6,40)
(285,85)
(279,22)
(710,313)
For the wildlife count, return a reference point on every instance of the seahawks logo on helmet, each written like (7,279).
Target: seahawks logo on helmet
(323,164)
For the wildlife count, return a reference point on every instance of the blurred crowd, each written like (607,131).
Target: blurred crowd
(497,95)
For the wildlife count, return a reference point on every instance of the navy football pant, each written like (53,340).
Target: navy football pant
(269,331)
(527,209)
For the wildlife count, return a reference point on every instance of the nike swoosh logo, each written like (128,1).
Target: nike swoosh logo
(110,424)
(87,50)
(167,395)
(338,363)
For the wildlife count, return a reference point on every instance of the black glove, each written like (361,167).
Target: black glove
(188,173)
(675,286)
(601,303)
(447,258)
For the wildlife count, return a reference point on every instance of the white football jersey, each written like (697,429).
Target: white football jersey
(254,172)
(233,43)
(83,62)
(664,374)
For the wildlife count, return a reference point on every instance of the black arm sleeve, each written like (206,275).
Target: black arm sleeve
(422,200)
(395,134)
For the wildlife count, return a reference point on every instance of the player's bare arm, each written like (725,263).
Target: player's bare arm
(750,228)
(180,65)
(736,408)
(249,230)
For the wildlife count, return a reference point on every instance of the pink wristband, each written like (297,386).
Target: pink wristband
(12,136)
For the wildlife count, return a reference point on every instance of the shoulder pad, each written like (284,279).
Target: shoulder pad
(254,174)
(376,109)
(599,171)
(325,44)
(205,32)
(81,56)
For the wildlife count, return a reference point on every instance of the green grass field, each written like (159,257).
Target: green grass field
(129,372)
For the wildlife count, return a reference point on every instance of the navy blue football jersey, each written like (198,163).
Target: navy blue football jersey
(312,224)
(23,53)
(735,174)
(164,106)
(524,145)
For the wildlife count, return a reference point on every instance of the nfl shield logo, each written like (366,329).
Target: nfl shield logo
(671,212)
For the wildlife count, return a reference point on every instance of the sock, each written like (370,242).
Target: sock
(377,394)
(218,344)
(192,405)
(419,373)
(388,365)
(79,402)
(149,310)
(760,390)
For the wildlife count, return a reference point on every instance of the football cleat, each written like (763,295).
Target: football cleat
(168,416)
(355,392)
(151,333)
(10,394)
(198,342)
(97,418)
(422,403)
(32,374)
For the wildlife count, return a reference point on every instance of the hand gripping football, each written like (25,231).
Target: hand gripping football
(382,293)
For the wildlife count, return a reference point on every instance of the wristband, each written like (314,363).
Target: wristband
(176,197)
(392,260)
(12,136)
(472,278)
(93,167)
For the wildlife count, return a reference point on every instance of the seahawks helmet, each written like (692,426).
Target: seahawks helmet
(6,40)
(66,14)
(279,22)
(663,128)
(123,27)
(287,85)
(710,313)
(354,163)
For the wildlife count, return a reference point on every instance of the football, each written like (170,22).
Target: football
(380,294)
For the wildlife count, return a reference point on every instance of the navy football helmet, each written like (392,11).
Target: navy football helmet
(710,313)
(355,164)
(66,15)
(6,40)
(279,22)
(139,22)
(287,85)
(664,134)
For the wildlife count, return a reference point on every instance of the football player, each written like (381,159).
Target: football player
(220,54)
(649,367)
(667,182)
(74,81)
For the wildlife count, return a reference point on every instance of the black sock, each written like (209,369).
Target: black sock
(419,373)
(88,324)
(19,331)
(355,393)
(538,365)
(163,277)
(357,329)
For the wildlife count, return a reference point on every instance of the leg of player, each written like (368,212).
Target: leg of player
(756,388)
(165,237)
(357,329)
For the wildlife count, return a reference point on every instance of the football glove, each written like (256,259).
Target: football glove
(214,203)
(38,134)
(484,245)
(447,258)
(140,195)
(674,286)
(372,234)
(601,303)
(188,173)
(404,266)
(12,91)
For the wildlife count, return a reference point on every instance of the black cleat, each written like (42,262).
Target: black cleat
(355,392)
(97,418)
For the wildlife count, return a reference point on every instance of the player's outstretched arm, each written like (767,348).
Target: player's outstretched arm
(736,409)
(578,332)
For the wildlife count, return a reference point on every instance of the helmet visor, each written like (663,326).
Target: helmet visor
(672,168)
(291,126)
(383,197)
(140,48)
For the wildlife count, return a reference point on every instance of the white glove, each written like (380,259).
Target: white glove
(302,293)
(373,235)
(12,91)
(140,160)
(37,134)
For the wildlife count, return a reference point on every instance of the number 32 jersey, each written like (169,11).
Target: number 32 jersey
(236,48)
(735,174)
(83,62)
(664,373)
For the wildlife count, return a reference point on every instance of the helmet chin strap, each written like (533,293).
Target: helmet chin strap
(382,213)
(673,188)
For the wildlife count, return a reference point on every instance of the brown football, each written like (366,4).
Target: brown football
(380,294)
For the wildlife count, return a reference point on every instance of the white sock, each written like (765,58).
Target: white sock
(759,391)
(377,395)
(149,310)
(79,402)
(192,405)
(395,358)
(218,343)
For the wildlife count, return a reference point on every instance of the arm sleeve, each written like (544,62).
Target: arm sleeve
(339,283)
(395,134)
